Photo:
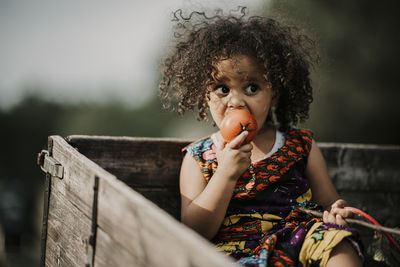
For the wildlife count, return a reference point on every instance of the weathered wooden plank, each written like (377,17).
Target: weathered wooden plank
(55,255)
(67,233)
(70,208)
(139,162)
(167,198)
(131,229)
(155,238)
(363,167)
(46,203)
(79,173)
(110,252)
(149,165)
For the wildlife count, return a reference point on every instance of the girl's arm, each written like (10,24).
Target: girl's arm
(204,205)
(323,190)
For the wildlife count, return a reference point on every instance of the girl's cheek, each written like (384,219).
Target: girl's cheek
(213,98)
(216,118)
(216,105)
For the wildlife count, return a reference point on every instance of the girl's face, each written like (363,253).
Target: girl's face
(239,83)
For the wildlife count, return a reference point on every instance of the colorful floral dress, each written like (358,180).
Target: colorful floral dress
(262,225)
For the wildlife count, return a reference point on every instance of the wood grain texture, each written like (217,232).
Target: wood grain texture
(67,234)
(152,237)
(148,165)
(136,161)
(131,230)
(70,207)
(367,168)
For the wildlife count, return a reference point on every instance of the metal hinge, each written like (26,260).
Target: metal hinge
(49,165)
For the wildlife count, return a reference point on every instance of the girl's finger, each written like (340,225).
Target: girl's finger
(325,216)
(340,220)
(220,142)
(340,203)
(221,145)
(342,212)
(246,148)
(331,217)
(237,142)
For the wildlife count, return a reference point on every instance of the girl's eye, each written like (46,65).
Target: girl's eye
(222,90)
(251,89)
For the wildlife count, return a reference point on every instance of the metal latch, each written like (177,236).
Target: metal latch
(49,165)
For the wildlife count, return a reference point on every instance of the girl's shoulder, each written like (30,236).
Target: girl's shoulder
(299,137)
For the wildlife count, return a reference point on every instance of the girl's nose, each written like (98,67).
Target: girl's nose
(236,101)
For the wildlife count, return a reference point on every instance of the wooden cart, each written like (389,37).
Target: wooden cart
(114,201)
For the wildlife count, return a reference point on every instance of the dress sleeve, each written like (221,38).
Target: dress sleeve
(204,153)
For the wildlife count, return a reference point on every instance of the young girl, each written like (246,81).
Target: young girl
(244,197)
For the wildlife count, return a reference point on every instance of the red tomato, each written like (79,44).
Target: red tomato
(236,122)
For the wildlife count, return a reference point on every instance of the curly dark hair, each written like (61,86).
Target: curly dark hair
(285,53)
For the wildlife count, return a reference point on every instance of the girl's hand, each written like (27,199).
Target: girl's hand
(337,213)
(233,157)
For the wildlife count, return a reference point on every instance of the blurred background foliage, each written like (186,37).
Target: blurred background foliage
(356,100)
(356,84)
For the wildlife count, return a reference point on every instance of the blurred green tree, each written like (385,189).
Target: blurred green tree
(356,88)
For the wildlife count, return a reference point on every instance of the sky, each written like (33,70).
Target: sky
(89,50)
